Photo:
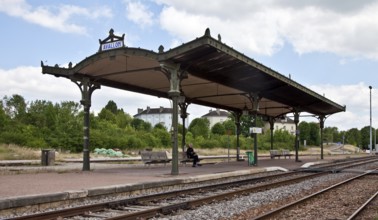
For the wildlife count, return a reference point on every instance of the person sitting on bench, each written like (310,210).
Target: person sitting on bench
(192,155)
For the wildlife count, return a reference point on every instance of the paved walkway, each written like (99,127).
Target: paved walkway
(69,177)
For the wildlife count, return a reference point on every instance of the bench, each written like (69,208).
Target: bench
(155,157)
(277,153)
(286,153)
(274,154)
(184,159)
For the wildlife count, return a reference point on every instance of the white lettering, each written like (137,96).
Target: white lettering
(112,45)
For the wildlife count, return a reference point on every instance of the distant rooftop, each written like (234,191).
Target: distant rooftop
(216,113)
(151,111)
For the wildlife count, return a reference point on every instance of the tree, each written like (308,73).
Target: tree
(160,126)
(304,131)
(246,122)
(328,134)
(353,136)
(3,117)
(218,128)
(199,127)
(112,107)
(15,107)
(283,139)
(314,134)
(123,119)
(365,137)
(229,125)
(108,115)
(139,124)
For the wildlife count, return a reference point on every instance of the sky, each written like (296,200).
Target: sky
(328,46)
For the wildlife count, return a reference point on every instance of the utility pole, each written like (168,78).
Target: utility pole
(371,144)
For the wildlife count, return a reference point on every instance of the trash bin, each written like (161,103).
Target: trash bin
(47,157)
(251,158)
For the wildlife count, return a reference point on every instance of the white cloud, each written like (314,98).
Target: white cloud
(30,83)
(346,28)
(57,18)
(357,100)
(139,13)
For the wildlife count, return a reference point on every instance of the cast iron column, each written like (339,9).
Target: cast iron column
(183,115)
(296,120)
(271,123)
(321,124)
(237,123)
(255,138)
(86,87)
(172,71)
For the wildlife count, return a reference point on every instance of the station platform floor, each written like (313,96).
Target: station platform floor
(21,181)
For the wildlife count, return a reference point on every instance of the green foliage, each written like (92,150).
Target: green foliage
(329,134)
(314,134)
(219,129)
(112,107)
(163,136)
(365,137)
(3,117)
(107,115)
(246,122)
(160,126)
(209,143)
(15,107)
(304,133)
(230,126)
(199,127)
(43,124)
(353,136)
(139,124)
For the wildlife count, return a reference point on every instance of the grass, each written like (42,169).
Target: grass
(14,152)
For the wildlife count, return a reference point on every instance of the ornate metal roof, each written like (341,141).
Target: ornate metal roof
(216,76)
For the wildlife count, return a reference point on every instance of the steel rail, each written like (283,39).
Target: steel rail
(135,200)
(166,209)
(282,208)
(348,164)
(362,207)
(210,199)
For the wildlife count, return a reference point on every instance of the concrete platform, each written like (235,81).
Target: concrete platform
(67,181)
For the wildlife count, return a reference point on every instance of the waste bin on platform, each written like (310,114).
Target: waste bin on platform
(251,158)
(47,157)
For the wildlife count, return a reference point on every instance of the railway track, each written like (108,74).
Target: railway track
(165,203)
(326,204)
(141,206)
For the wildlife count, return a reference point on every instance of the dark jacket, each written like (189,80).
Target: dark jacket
(190,152)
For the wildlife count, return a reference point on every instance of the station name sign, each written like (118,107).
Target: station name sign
(112,45)
(255,130)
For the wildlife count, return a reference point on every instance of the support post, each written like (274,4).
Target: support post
(296,121)
(370,137)
(86,87)
(271,123)
(255,138)
(174,76)
(321,125)
(255,99)
(237,123)
(183,115)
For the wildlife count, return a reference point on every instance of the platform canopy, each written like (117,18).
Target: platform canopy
(212,74)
